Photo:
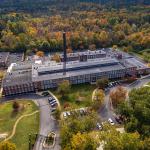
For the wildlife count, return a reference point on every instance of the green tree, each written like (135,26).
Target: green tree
(64,88)
(137,112)
(113,139)
(102,83)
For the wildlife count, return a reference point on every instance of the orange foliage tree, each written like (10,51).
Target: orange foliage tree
(118,95)
(40,53)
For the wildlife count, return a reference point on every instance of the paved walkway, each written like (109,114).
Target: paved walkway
(16,123)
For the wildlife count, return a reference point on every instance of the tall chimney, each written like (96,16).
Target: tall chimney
(65,52)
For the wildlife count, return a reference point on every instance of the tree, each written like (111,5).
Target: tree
(114,47)
(2,74)
(56,57)
(98,99)
(7,146)
(84,141)
(114,140)
(104,38)
(57,113)
(15,106)
(69,50)
(92,47)
(74,124)
(64,88)
(118,95)
(102,83)
(40,53)
(137,111)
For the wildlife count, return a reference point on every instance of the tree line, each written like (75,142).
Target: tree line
(96,28)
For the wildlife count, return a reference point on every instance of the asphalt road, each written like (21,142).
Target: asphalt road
(47,124)
(106,111)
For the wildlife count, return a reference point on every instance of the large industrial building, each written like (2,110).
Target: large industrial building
(80,67)
(27,77)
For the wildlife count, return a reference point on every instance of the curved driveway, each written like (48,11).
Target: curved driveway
(47,123)
(106,111)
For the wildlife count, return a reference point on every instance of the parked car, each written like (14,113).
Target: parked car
(82,111)
(53,101)
(54,104)
(45,93)
(118,119)
(106,89)
(110,121)
(50,98)
(64,114)
(99,127)
(110,85)
(68,113)
(53,110)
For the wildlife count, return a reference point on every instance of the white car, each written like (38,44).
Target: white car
(110,121)
(68,113)
(99,126)
(64,114)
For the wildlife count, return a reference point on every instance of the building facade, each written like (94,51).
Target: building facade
(41,75)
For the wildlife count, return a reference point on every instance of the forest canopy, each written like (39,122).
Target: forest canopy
(87,25)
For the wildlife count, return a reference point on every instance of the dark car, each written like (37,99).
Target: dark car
(54,101)
(45,94)
(50,99)
(53,110)
(118,119)
(54,104)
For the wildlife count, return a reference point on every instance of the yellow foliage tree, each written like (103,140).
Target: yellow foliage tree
(7,146)
(56,57)
(40,53)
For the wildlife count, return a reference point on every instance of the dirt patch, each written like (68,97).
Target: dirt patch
(3,135)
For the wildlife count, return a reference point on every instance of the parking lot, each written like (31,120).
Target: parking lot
(53,102)
(79,112)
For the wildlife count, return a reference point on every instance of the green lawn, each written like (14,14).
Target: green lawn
(79,96)
(26,126)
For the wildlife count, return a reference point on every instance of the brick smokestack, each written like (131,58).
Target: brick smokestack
(65,52)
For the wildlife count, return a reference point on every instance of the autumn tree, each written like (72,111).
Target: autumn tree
(56,57)
(104,38)
(74,124)
(84,141)
(118,95)
(69,50)
(114,47)
(40,53)
(92,47)
(102,83)
(64,88)
(98,99)
(15,106)
(7,146)
(113,139)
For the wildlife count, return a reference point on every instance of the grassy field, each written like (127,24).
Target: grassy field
(26,126)
(79,96)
